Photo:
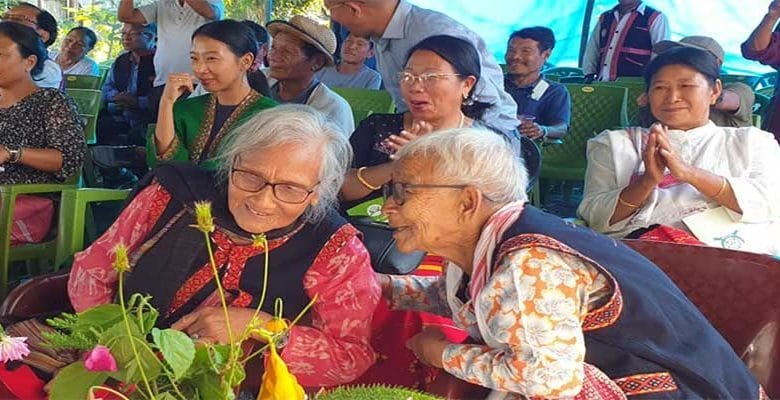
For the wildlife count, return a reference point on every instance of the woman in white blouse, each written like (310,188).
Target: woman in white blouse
(685,164)
(72,57)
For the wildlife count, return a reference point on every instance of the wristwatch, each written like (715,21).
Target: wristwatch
(14,154)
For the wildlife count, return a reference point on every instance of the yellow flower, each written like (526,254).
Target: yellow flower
(275,325)
(278,382)
(203,216)
(121,263)
(258,240)
(268,330)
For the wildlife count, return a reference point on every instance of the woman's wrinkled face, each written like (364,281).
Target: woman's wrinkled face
(75,45)
(13,67)
(428,218)
(216,66)
(680,97)
(289,166)
(433,93)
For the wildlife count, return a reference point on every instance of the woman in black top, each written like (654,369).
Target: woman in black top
(41,137)
(437,85)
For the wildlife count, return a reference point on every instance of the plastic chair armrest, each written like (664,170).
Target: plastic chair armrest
(73,217)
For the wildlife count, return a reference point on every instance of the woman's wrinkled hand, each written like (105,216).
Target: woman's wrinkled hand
(208,324)
(428,346)
(654,163)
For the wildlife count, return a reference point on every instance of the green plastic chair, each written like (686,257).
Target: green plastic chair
(750,80)
(88,102)
(83,82)
(768,79)
(75,219)
(33,253)
(104,69)
(761,104)
(572,79)
(635,86)
(593,109)
(563,72)
(767,91)
(365,102)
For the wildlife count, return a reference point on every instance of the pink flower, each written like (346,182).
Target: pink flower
(100,359)
(12,348)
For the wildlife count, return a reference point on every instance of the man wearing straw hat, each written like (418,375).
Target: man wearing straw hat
(299,49)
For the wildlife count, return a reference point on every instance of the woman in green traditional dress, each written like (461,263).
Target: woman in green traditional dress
(191,129)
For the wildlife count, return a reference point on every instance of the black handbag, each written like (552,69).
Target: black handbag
(385,257)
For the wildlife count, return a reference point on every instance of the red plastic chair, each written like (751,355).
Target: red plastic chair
(738,292)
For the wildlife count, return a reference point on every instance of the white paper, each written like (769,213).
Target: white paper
(716,228)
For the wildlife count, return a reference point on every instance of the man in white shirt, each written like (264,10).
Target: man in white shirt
(176,20)
(46,26)
(622,42)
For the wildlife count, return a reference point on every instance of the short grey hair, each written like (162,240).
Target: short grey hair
(474,157)
(292,123)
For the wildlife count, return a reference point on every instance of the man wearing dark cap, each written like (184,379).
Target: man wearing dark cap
(734,107)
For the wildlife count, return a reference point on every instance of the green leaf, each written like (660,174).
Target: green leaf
(166,396)
(148,313)
(219,355)
(119,342)
(74,381)
(201,363)
(210,387)
(100,317)
(177,349)
(235,375)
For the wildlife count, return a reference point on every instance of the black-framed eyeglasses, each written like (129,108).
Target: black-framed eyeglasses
(397,190)
(284,192)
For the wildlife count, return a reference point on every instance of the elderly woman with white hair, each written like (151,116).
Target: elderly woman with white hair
(556,310)
(278,175)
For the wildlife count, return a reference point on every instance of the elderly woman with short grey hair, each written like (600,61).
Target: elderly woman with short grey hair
(278,176)
(553,309)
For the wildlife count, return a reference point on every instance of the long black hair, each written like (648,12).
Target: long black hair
(27,41)
(240,39)
(464,58)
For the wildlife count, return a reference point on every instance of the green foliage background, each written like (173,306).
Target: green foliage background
(100,16)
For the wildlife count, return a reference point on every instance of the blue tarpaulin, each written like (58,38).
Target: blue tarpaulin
(728,21)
